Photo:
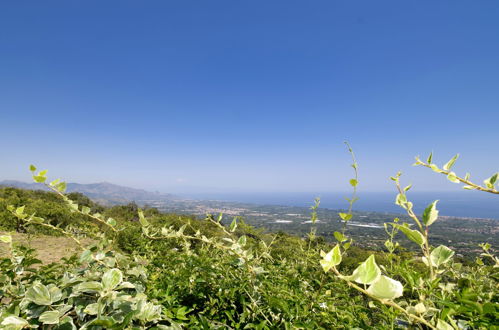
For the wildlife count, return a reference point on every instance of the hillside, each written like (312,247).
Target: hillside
(462,234)
(103,192)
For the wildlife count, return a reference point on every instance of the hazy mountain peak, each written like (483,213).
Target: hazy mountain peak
(101,191)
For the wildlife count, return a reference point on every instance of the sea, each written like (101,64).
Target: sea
(466,204)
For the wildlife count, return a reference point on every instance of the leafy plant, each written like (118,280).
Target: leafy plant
(144,269)
(429,307)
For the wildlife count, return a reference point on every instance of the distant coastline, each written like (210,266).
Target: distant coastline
(463,204)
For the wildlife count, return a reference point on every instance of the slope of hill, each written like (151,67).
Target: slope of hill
(462,234)
(103,192)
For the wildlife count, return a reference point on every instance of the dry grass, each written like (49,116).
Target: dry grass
(48,248)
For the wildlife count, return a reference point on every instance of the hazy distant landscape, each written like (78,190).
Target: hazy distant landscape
(463,204)
(290,213)
(458,204)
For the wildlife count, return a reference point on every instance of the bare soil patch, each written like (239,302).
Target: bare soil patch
(48,248)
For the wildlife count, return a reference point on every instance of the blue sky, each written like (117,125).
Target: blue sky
(182,96)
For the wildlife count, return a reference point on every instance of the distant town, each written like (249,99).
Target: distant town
(366,228)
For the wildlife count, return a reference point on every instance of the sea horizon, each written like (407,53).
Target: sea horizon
(465,204)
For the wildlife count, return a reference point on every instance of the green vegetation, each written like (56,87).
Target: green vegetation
(142,269)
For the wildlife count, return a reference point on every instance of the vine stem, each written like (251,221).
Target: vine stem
(65,233)
(466,182)
(187,237)
(354,165)
(384,301)
(426,249)
(62,231)
(256,304)
(78,210)
(354,193)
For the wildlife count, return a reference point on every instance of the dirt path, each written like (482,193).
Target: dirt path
(48,248)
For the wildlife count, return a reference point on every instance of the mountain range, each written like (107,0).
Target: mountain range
(103,192)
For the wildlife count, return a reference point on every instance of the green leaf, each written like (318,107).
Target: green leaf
(389,245)
(39,179)
(55,182)
(180,231)
(450,163)
(452,177)
(5,239)
(20,210)
(233,225)
(49,317)
(73,206)
(125,285)
(345,216)
(367,273)
(485,246)
(66,323)
(442,325)
(420,308)
(86,256)
(111,222)
(413,235)
(85,210)
(401,199)
(331,259)
(32,168)
(489,183)
(416,163)
(92,309)
(14,322)
(468,187)
(147,311)
(90,286)
(61,187)
(430,158)
(103,322)
(242,240)
(142,219)
(430,214)
(339,237)
(441,255)
(354,182)
(39,294)
(35,219)
(112,278)
(386,288)
(55,293)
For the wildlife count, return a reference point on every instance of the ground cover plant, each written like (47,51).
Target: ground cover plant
(141,269)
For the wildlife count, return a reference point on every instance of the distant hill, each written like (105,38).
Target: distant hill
(102,192)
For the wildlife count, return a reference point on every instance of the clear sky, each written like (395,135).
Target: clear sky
(248,95)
